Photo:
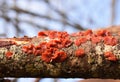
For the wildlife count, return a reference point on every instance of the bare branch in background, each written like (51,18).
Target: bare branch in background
(63,15)
(19,10)
(64,20)
(3,34)
(113,3)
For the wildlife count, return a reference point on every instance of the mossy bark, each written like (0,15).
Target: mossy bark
(92,65)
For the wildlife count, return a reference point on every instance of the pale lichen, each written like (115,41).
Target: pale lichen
(16,52)
(107,48)
(98,50)
(2,52)
(90,58)
(116,52)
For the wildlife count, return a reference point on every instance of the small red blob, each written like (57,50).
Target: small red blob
(30,46)
(52,43)
(59,56)
(43,33)
(53,34)
(58,41)
(46,56)
(103,33)
(56,34)
(29,49)
(64,35)
(52,50)
(110,56)
(77,34)
(87,32)
(80,52)
(25,49)
(79,41)
(8,54)
(13,42)
(109,40)
(96,40)
(37,52)
(66,42)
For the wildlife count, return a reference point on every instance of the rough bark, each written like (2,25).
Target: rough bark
(92,65)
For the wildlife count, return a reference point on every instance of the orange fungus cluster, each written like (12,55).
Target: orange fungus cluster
(103,36)
(109,40)
(100,35)
(79,41)
(51,50)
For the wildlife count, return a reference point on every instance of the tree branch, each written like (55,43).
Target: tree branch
(63,15)
(57,54)
(113,4)
(19,10)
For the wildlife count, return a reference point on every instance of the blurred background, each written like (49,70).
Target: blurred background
(27,17)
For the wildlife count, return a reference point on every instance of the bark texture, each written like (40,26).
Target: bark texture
(15,62)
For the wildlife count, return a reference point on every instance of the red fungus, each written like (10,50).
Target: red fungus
(52,50)
(46,56)
(57,43)
(109,40)
(25,48)
(64,35)
(103,33)
(43,33)
(29,49)
(66,42)
(96,39)
(30,46)
(87,32)
(52,43)
(43,45)
(110,56)
(53,34)
(37,52)
(77,34)
(80,41)
(80,52)
(8,54)
(59,56)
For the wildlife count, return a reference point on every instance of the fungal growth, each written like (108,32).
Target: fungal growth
(8,54)
(80,52)
(52,48)
(50,51)
(110,56)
